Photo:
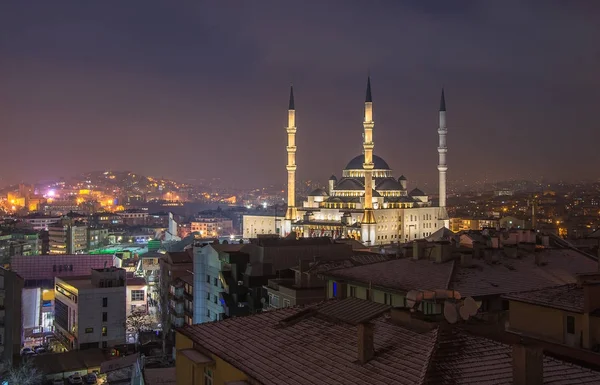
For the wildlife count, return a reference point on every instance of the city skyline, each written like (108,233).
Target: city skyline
(170,91)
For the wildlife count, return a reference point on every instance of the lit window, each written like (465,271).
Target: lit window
(104,331)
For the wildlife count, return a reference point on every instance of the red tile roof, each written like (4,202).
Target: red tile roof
(461,358)
(304,346)
(564,297)
(317,349)
(506,275)
(511,275)
(399,274)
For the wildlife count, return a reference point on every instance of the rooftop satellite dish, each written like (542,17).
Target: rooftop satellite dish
(464,313)
(411,298)
(450,312)
(470,306)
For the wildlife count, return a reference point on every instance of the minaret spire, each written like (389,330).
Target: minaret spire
(442,150)
(291,213)
(368,220)
(291,107)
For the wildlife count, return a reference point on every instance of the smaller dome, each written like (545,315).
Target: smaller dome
(333,178)
(402,177)
(416,193)
(319,192)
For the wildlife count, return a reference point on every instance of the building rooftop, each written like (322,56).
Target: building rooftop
(565,297)
(318,345)
(481,277)
(70,361)
(400,274)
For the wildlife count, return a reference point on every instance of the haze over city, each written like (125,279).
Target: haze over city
(199,89)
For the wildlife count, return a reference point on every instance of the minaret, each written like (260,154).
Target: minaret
(442,150)
(291,213)
(368,220)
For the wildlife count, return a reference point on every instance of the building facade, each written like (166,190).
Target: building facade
(90,311)
(68,238)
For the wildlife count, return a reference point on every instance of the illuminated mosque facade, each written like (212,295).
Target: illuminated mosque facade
(366,203)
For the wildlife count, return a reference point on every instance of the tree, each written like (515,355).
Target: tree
(137,322)
(24,374)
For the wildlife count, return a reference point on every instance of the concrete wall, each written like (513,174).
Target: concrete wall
(189,373)
(546,323)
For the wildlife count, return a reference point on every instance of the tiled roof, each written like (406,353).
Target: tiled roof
(159,376)
(353,310)
(506,275)
(180,256)
(461,358)
(565,297)
(303,346)
(400,274)
(512,275)
(314,350)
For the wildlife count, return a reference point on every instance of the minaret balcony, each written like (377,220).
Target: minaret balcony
(291,167)
(291,130)
(291,148)
(442,150)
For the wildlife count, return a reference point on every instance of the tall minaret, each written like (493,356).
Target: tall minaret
(442,150)
(368,220)
(291,213)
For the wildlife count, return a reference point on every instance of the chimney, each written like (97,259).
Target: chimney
(528,365)
(366,346)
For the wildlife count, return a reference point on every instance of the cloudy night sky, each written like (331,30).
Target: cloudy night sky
(198,89)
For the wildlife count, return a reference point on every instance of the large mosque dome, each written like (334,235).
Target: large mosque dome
(357,163)
(354,168)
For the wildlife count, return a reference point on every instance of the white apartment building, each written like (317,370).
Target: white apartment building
(90,311)
(137,291)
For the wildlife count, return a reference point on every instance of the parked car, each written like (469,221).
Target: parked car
(75,379)
(91,378)
(27,351)
(41,350)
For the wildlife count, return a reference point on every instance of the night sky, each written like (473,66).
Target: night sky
(198,89)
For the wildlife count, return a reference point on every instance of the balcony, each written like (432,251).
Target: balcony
(177,307)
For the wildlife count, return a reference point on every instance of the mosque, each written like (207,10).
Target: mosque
(367,203)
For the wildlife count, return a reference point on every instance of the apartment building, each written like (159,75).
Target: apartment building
(90,311)
(212,226)
(181,301)
(11,285)
(67,238)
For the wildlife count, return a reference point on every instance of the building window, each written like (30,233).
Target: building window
(208,296)
(104,316)
(216,281)
(334,289)
(89,330)
(286,303)
(104,344)
(105,302)
(215,299)
(352,291)
(570,324)
(207,278)
(368,295)
(208,313)
(104,331)
(137,295)
(208,376)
